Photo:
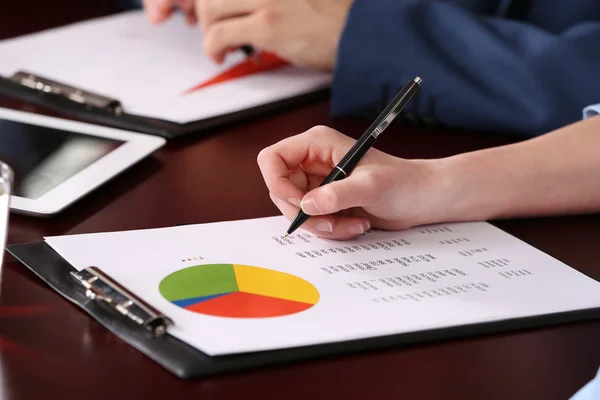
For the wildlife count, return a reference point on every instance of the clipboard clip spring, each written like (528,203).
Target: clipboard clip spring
(88,99)
(100,287)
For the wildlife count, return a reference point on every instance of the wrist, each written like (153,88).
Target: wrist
(453,190)
(470,187)
(426,192)
(446,193)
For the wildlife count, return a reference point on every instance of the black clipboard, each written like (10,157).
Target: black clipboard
(96,108)
(187,362)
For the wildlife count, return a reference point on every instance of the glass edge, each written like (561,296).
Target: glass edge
(6,173)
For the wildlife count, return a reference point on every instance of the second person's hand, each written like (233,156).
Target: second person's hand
(305,33)
(158,11)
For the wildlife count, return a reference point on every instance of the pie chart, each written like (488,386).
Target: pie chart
(238,291)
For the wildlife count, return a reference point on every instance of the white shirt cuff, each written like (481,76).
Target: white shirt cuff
(591,110)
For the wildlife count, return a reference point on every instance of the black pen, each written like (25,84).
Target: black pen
(360,148)
(250,52)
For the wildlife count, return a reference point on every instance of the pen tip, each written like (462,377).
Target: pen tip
(286,234)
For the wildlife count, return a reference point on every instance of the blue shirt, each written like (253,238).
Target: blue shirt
(507,66)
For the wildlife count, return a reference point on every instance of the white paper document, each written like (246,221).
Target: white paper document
(242,286)
(152,69)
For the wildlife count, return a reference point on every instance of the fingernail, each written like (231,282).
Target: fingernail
(367,225)
(293,201)
(309,206)
(324,226)
(356,229)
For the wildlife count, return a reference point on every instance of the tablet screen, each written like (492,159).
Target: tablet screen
(43,158)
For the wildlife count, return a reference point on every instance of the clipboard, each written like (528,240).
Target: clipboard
(146,329)
(97,108)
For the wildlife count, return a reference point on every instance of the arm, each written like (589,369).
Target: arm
(479,72)
(556,173)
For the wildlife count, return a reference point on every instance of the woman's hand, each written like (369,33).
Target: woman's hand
(382,191)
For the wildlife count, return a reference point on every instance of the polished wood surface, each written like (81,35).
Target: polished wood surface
(50,349)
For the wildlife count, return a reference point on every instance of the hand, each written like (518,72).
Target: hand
(302,32)
(382,191)
(158,11)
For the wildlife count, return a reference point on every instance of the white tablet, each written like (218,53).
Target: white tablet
(56,161)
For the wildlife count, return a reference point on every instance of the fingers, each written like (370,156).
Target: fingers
(232,33)
(187,6)
(300,163)
(188,9)
(299,179)
(158,10)
(314,147)
(326,226)
(210,11)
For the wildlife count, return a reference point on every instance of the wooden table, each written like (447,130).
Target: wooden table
(50,349)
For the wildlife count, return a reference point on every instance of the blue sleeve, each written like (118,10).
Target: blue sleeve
(479,72)
(592,110)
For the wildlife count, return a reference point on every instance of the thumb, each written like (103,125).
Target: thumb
(354,191)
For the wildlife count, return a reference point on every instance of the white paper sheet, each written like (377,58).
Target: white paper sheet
(380,283)
(148,67)
(5,191)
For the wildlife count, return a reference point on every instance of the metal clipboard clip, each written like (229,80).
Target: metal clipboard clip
(100,286)
(88,99)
